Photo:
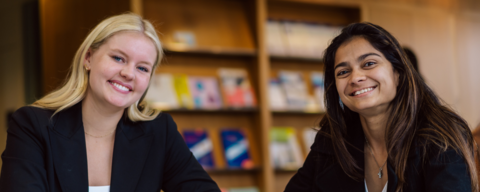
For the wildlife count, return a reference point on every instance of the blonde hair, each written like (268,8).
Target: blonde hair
(75,87)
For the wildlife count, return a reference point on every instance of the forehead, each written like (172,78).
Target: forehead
(134,44)
(354,48)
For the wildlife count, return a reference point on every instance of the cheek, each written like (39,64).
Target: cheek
(142,83)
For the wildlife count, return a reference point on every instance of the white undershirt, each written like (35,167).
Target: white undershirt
(384,188)
(99,188)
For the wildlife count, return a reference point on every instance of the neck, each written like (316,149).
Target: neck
(374,128)
(97,119)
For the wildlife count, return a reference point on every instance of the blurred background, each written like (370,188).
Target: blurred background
(244,69)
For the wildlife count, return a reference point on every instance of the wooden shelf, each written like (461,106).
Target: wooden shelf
(232,111)
(229,171)
(297,113)
(300,59)
(216,51)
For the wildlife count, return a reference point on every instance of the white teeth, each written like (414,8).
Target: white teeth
(363,91)
(123,88)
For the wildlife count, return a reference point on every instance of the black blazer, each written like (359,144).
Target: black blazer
(49,154)
(437,172)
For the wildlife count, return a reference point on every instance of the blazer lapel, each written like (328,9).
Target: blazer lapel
(392,179)
(132,145)
(69,150)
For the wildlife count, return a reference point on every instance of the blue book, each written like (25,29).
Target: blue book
(201,146)
(236,148)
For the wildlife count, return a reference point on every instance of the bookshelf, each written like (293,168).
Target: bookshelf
(228,34)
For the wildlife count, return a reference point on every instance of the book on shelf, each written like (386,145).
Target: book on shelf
(318,89)
(204,91)
(299,39)
(200,144)
(183,91)
(236,148)
(276,40)
(295,89)
(236,88)
(308,136)
(276,96)
(162,94)
(285,151)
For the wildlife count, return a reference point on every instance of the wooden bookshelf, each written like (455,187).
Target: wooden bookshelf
(228,34)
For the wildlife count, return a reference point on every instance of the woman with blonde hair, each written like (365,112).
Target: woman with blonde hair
(93,133)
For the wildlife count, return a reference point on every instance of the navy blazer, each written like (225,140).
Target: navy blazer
(46,153)
(427,170)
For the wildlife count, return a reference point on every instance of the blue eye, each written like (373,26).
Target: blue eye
(118,59)
(143,69)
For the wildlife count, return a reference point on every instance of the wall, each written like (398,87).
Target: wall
(11,67)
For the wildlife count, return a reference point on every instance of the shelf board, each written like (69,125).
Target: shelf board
(280,170)
(242,110)
(220,51)
(293,58)
(287,112)
(227,170)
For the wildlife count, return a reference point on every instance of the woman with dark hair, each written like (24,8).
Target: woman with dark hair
(384,129)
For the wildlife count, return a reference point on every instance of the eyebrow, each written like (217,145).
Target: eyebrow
(359,59)
(123,53)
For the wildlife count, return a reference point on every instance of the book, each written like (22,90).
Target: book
(162,94)
(276,96)
(318,89)
(308,135)
(236,148)
(183,92)
(295,89)
(204,91)
(276,40)
(236,88)
(200,145)
(285,152)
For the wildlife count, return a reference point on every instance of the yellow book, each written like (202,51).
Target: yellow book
(183,93)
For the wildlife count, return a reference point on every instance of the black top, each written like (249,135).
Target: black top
(437,172)
(49,154)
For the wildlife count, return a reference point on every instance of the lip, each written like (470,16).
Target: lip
(355,90)
(122,84)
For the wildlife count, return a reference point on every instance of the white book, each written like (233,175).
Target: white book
(161,93)
(295,89)
(276,38)
(276,96)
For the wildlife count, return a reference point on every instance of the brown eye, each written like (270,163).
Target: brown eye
(368,64)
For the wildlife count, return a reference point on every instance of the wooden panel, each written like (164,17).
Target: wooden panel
(215,23)
(64,25)
(318,13)
(282,179)
(235,179)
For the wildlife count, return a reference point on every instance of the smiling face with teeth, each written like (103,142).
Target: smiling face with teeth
(365,79)
(120,70)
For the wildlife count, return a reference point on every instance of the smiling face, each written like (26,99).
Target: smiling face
(365,79)
(120,69)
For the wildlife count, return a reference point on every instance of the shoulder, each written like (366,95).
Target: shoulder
(32,115)
(323,143)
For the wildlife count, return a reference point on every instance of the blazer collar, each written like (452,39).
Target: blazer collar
(333,178)
(67,138)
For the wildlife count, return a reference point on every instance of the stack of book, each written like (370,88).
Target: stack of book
(174,91)
(235,147)
(290,92)
(299,39)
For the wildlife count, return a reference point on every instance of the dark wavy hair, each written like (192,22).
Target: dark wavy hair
(415,112)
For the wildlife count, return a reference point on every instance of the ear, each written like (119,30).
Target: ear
(88,57)
(396,76)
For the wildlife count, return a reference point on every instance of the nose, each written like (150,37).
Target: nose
(357,76)
(127,72)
